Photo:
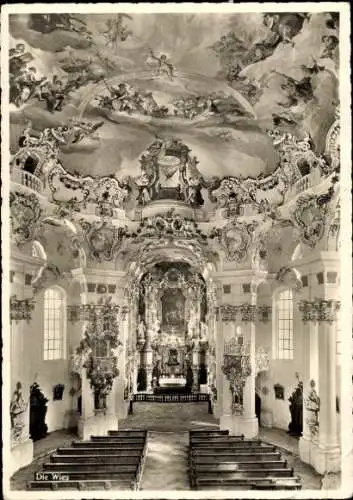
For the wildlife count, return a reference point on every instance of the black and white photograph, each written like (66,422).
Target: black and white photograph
(176,251)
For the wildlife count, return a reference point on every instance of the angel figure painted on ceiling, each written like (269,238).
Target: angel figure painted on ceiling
(163,66)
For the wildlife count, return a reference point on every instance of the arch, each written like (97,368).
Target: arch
(55,323)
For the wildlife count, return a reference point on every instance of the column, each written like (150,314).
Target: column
(226,417)
(310,352)
(20,446)
(195,367)
(249,422)
(217,409)
(326,453)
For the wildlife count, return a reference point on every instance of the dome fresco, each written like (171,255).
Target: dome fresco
(216,82)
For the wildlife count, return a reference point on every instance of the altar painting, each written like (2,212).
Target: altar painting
(173,308)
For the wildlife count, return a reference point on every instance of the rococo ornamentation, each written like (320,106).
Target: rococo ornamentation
(235,239)
(247,312)
(98,350)
(21,309)
(103,239)
(25,212)
(319,310)
(237,368)
(310,218)
(105,306)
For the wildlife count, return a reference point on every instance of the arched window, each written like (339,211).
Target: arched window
(283,325)
(54,324)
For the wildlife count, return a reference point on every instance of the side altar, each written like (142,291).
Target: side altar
(172,333)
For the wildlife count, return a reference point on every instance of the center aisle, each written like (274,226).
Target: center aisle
(166,465)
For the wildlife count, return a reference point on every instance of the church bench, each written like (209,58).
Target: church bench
(232,448)
(117,439)
(81,474)
(127,433)
(213,472)
(246,485)
(73,467)
(221,437)
(106,450)
(230,456)
(87,484)
(210,440)
(104,444)
(211,432)
(252,482)
(222,465)
(96,459)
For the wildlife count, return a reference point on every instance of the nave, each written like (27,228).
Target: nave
(167,461)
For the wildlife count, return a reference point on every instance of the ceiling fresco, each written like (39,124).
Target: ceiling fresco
(109,86)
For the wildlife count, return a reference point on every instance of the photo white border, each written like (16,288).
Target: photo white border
(346,489)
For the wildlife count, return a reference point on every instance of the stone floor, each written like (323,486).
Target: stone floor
(166,465)
(169,417)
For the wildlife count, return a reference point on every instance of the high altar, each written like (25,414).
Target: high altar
(172,333)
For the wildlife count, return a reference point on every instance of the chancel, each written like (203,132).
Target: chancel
(174,280)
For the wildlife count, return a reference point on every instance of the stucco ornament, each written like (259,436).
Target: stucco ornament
(237,368)
(25,212)
(103,239)
(235,239)
(261,194)
(309,218)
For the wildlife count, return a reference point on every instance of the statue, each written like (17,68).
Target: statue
(141,331)
(203,332)
(18,407)
(312,405)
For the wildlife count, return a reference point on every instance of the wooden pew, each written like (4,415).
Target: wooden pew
(95,459)
(222,465)
(70,467)
(96,450)
(127,433)
(250,483)
(88,484)
(115,439)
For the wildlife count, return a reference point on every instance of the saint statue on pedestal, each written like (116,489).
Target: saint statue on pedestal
(141,331)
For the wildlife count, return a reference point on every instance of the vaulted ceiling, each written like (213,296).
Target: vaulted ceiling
(263,71)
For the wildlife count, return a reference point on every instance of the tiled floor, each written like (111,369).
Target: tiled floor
(166,465)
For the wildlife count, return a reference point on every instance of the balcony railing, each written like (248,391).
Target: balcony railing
(26,179)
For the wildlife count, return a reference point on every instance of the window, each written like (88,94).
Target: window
(284,325)
(54,324)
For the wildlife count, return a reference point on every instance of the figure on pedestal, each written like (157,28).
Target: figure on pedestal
(312,406)
(141,333)
(18,408)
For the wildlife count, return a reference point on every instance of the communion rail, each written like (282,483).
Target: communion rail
(195,397)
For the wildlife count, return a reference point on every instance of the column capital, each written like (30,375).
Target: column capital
(247,312)
(21,309)
(319,310)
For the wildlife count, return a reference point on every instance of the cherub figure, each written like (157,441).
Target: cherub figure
(164,65)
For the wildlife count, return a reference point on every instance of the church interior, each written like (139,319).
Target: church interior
(174,269)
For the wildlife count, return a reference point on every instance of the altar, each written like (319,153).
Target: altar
(172,382)
(171,333)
